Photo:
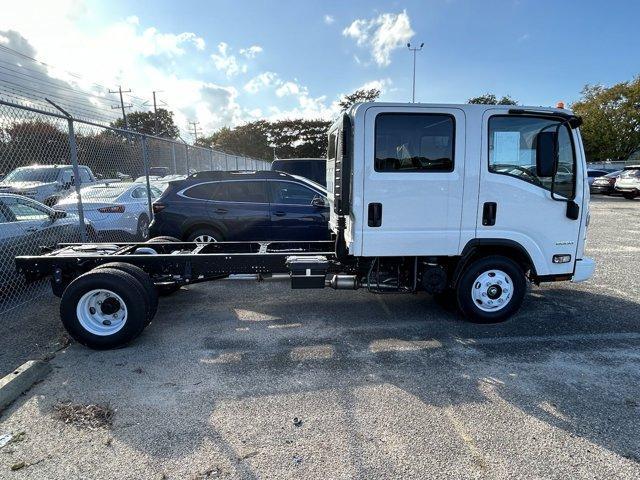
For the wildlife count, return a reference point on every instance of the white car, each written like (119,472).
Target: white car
(115,209)
(628,183)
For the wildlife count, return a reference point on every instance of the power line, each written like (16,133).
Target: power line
(75,75)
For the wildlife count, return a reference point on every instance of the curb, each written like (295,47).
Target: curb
(21,380)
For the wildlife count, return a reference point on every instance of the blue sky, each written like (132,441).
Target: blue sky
(255,59)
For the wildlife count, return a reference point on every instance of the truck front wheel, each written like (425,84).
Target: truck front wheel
(491,289)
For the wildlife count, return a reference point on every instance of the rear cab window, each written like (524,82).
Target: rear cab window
(512,151)
(414,142)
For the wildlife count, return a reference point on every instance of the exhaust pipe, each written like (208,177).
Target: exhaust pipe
(344,282)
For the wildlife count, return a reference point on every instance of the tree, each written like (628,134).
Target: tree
(299,138)
(361,95)
(144,122)
(611,120)
(491,99)
(250,139)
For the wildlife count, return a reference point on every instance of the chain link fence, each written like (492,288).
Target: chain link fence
(66,180)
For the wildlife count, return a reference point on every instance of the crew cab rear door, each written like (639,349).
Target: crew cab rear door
(414,159)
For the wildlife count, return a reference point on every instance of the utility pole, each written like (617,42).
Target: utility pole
(195,131)
(156,126)
(122,105)
(414,50)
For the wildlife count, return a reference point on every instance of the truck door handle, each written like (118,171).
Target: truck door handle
(489,214)
(31,229)
(375,215)
(221,210)
(279,213)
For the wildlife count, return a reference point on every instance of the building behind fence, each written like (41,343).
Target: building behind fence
(108,177)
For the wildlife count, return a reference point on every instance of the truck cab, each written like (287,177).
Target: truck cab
(446,186)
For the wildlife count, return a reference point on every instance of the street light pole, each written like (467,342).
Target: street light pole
(414,50)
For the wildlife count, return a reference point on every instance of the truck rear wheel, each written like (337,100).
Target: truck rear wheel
(491,289)
(104,308)
(142,277)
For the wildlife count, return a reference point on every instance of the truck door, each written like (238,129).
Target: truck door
(414,163)
(515,204)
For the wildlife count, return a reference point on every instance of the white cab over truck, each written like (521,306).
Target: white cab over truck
(468,203)
(479,197)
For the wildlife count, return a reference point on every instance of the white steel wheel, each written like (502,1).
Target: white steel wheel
(101,312)
(204,238)
(492,290)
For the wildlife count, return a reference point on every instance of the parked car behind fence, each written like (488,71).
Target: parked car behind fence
(229,206)
(115,208)
(45,183)
(27,225)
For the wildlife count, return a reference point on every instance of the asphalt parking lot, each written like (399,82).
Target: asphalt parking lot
(238,379)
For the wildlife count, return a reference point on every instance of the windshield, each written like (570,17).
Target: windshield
(30,174)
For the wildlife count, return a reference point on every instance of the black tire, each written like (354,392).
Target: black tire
(163,239)
(115,281)
(467,284)
(629,196)
(142,231)
(210,232)
(142,277)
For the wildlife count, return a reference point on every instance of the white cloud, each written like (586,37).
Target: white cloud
(261,81)
(288,88)
(226,62)
(124,52)
(383,34)
(252,51)
(382,84)
(329,19)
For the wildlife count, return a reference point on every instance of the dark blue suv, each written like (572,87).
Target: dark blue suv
(241,206)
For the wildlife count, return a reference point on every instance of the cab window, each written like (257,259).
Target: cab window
(512,152)
(414,142)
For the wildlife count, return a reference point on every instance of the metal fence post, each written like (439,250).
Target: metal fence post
(73,151)
(211,159)
(145,161)
(186,153)
(173,157)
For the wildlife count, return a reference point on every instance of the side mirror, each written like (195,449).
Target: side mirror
(318,202)
(58,214)
(546,148)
